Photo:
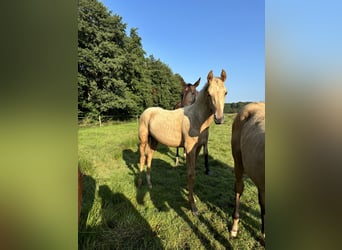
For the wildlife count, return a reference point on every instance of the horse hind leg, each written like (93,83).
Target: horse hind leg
(239,187)
(152,146)
(261,196)
(142,149)
(177,157)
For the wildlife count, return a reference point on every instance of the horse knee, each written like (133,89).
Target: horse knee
(239,187)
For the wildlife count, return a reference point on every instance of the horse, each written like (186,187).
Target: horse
(188,97)
(183,127)
(189,94)
(248,149)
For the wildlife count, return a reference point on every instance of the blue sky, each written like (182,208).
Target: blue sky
(194,37)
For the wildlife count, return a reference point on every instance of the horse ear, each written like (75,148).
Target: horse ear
(223,75)
(210,76)
(198,82)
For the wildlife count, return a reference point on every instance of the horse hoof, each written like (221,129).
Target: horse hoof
(233,233)
(207,172)
(196,213)
(150,186)
(195,210)
(263,240)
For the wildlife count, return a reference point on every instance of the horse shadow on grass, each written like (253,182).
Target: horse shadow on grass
(88,196)
(128,229)
(121,226)
(215,192)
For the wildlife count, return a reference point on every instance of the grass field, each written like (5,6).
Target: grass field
(117,215)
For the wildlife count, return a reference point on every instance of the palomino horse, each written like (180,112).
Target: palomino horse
(182,127)
(248,148)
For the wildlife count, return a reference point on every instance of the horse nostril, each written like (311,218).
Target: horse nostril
(219,120)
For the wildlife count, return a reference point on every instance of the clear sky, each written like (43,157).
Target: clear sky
(194,37)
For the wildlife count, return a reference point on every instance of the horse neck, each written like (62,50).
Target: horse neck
(201,108)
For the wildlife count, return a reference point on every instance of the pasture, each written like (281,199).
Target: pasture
(117,215)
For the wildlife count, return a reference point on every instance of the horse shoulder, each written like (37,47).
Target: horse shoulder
(206,123)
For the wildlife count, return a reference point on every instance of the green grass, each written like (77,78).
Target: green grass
(117,215)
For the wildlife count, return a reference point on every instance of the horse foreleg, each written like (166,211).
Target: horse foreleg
(191,180)
(191,163)
(206,159)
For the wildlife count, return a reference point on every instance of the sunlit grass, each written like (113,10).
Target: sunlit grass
(117,215)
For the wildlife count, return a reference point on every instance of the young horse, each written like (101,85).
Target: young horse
(248,148)
(189,94)
(182,127)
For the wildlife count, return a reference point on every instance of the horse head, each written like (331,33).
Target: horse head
(217,92)
(189,92)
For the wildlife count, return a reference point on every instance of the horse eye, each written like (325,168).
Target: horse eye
(225,93)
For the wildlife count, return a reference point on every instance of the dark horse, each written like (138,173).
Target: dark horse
(189,94)
(183,127)
(248,148)
(188,97)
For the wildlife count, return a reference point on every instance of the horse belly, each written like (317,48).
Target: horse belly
(254,165)
(166,132)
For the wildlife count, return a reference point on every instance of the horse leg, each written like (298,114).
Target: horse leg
(239,186)
(205,150)
(152,147)
(177,157)
(206,160)
(142,148)
(261,196)
(191,163)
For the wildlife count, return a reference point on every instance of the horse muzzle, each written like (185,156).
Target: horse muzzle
(219,120)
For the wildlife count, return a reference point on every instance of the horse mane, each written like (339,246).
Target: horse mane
(202,92)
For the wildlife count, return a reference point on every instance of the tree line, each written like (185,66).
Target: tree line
(233,107)
(115,77)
